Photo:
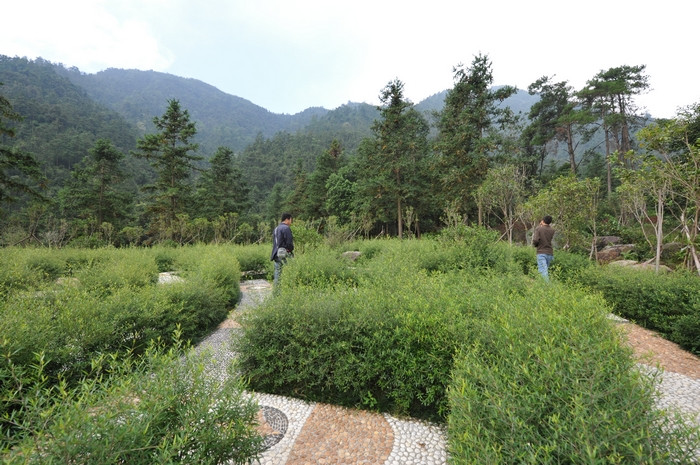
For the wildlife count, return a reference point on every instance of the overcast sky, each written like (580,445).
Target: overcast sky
(288,55)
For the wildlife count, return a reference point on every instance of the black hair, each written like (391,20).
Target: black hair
(547,219)
(286,216)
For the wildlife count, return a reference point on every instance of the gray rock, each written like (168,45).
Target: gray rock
(613,252)
(352,255)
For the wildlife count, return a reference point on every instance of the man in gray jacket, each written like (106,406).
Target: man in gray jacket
(542,239)
(282,245)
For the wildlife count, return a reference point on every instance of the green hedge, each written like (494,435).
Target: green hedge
(545,380)
(105,301)
(667,302)
(158,409)
(539,362)
(385,346)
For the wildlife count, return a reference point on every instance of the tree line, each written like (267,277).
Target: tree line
(472,162)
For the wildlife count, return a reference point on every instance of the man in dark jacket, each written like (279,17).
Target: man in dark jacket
(542,239)
(282,239)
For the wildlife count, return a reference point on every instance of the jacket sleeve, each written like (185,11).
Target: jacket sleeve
(287,239)
(536,237)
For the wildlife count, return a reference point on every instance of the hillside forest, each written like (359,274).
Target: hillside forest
(129,158)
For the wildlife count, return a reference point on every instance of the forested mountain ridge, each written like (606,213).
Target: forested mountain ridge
(60,122)
(222,119)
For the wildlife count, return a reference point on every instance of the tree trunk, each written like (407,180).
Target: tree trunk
(659,230)
(400,217)
(570,148)
(607,160)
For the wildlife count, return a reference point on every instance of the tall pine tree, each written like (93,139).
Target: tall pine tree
(393,168)
(465,136)
(170,153)
(221,189)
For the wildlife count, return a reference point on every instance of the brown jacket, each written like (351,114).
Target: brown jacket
(542,239)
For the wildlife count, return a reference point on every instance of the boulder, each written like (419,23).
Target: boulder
(638,266)
(604,241)
(613,252)
(72,282)
(670,249)
(651,267)
(352,255)
(169,277)
(621,263)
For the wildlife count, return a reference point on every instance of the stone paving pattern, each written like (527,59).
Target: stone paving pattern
(301,433)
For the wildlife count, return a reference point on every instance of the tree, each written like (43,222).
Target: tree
(501,193)
(94,192)
(19,171)
(327,164)
(221,189)
(556,117)
(393,169)
(340,192)
(571,202)
(609,97)
(676,140)
(646,178)
(169,153)
(465,137)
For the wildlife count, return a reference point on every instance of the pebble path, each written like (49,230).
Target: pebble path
(309,433)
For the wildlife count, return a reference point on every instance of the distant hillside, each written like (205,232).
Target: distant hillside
(520,102)
(221,119)
(228,120)
(60,121)
(66,111)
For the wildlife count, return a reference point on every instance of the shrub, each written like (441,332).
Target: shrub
(545,379)
(387,346)
(49,266)
(305,238)
(161,409)
(525,259)
(118,268)
(318,268)
(114,305)
(254,258)
(567,265)
(655,301)
(686,329)
(165,259)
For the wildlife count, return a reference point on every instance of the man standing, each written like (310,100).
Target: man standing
(282,245)
(542,239)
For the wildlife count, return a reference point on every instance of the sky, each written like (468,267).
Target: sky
(289,55)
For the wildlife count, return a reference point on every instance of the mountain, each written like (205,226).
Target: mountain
(221,119)
(60,121)
(65,111)
(520,102)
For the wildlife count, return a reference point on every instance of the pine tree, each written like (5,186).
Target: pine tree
(95,191)
(169,152)
(465,128)
(392,164)
(222,189)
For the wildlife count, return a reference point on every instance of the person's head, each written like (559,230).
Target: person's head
(286,218)
(547,219)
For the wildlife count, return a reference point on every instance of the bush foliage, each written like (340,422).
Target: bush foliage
(522,371)
(159,408)
(458,328)
(72,305)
